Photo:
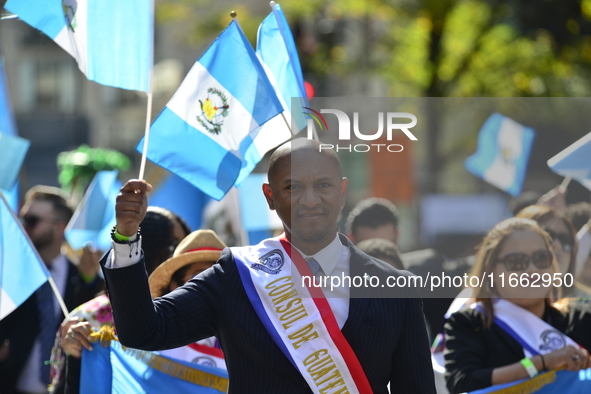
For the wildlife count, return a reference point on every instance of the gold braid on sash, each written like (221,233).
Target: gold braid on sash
(105,334)
(530,386)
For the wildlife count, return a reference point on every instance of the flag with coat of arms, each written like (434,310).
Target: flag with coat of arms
(206,129)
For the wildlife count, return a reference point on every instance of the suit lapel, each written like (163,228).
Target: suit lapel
(358,265)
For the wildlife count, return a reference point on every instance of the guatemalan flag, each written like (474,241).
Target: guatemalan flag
(575,161)
(205,132)
(112,41)
(21,269)
(278,55)
(503,151)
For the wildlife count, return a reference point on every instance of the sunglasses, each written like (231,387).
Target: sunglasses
(33,220)
(520,261)
(566,240)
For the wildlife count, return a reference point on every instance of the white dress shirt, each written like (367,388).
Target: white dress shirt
(29,380)
(333,259)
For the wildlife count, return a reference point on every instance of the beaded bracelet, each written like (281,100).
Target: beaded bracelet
(123,240)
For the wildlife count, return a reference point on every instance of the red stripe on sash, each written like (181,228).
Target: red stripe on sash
(329,320)
(212,351)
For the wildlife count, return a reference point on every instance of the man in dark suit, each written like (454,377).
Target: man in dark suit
(306,188)
(27,334)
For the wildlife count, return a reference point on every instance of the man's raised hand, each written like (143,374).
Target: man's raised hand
(131,206)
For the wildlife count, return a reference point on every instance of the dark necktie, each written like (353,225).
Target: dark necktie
(314,266)
(47,327)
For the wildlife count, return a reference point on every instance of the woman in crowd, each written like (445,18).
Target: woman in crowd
(514,332)
(197,252)
(161,230)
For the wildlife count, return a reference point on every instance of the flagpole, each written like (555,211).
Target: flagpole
(565,183)
(49,278)
(149,104)
(146,134)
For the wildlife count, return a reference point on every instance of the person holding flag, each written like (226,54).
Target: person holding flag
(279,335)
(514,332)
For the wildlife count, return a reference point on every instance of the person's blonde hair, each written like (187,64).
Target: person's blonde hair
(488,253)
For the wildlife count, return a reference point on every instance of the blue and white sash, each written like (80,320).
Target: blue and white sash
(298,319)
(535,335)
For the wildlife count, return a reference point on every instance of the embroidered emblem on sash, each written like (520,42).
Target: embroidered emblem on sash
(553,340)
(202,360)
(271,262)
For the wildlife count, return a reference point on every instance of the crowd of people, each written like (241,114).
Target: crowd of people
(188,296)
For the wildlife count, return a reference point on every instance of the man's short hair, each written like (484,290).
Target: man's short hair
(56,196)
(297,146)
(579,214)
(382,249)
(372,212)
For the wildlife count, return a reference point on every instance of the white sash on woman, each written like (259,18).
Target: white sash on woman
(535,335)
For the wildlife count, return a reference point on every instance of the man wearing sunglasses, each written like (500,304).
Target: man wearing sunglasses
(27,334)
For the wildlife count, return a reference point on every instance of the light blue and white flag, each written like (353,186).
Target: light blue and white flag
(503,151)
(8,127)
(575,161)
(552,382)
(112,41)
(13,150)
(21,269)
(279,57)
(118,370)
(204,133)
(95,215)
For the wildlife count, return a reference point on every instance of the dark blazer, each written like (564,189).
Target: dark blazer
(21,327)
(387,334)
(472,351)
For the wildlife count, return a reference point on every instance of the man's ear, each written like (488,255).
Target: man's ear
(268,195)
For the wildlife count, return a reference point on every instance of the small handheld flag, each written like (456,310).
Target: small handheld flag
(21,270)
(111,41)
(574,161)
(503,151)
(205,131)
(95,216)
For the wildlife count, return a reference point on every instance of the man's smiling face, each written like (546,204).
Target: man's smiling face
(308,192)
